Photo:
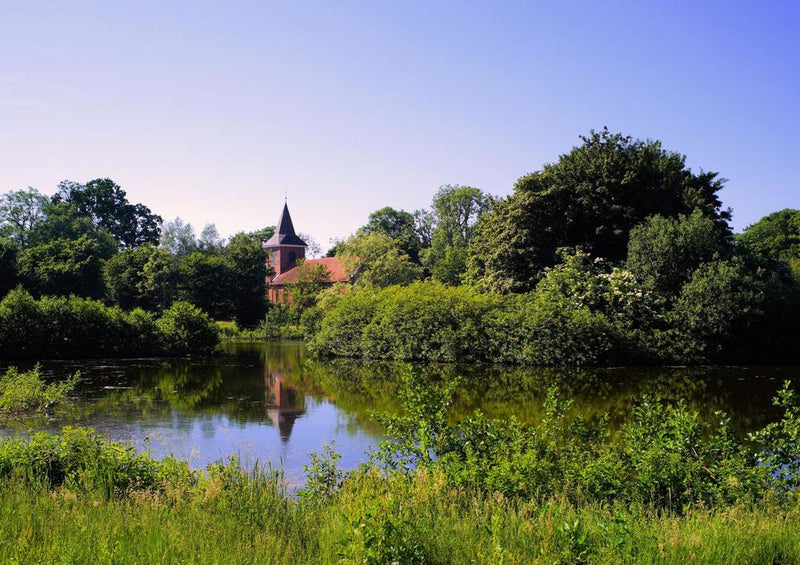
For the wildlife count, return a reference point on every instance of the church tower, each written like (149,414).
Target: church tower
(284,248)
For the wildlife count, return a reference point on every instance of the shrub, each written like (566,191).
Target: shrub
(187,329)
(27,392)
(58,327)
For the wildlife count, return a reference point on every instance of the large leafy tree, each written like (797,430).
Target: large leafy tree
(456,210)
(664,252)
(776,235)
(591,197)
(247,274)
(106,203)
(20,212)
(379,259)
(141,277)
(398,225)
(64,267)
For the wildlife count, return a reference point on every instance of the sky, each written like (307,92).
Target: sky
(213,111)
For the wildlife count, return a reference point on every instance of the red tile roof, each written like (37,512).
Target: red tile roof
(337,267)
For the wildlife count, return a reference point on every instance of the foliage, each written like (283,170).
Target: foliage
(664,252)
(311,279)
(178,238)
(141,277)
(399,225)
(186,329)
(27,392)
(456,210)
(592,197)
(56,327)
(64,267)
(20,212)
(107,205)
(246,264)
(8,265)
(378,259)
(665,457)
(775,235)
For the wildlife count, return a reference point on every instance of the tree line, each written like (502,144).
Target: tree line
(615,253)
(88,240)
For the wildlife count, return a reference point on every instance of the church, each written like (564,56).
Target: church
(284,250)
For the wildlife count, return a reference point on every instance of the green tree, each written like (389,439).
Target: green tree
(776,235)
(664,252)
(591,198)
(311,280)
(457,210)
(107,205)
(8,265)
(210,241)
(178,238)
(20,212)
(379,260)
(204,280)
(247,271)
(397,224)
(142,277)
(64,267)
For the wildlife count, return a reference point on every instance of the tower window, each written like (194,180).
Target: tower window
(292,256)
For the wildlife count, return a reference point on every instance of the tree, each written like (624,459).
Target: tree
(247,279)
(107,205)
(379,260)
(313,249)
(20,212)
(776,235)
(178,238)
(424,224)
(204,280)
(210,241)
(311,279)
(398,225)
(591,198)
(8,265)
(664,252)
(64,267)
(456,211)
(142,277)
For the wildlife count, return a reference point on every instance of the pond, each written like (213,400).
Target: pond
(271,403)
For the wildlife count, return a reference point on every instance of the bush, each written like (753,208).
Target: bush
(187,329)
(57,327)
(27,392)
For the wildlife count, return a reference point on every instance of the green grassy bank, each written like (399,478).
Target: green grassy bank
(376,520)
(665,487)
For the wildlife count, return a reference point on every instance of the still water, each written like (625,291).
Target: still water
(271,403)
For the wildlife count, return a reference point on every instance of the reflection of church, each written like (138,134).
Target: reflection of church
(284,403)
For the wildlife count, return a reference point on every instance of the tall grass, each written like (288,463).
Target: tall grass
(24,392)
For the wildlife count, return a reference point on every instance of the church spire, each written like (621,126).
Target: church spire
(284,233)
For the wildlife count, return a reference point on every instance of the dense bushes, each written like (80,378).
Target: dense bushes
(728,307)
(57,327)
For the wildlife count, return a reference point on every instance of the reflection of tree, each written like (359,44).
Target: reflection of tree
(188,386)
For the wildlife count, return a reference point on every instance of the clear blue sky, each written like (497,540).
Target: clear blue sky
(209,110)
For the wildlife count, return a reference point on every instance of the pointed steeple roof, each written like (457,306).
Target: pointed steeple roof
(284,234)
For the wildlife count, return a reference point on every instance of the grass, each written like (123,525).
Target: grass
(26,392)
(374,520)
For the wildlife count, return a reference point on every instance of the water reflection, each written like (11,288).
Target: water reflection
(271,402)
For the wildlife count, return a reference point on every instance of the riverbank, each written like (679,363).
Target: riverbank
(668,489)
(374,521)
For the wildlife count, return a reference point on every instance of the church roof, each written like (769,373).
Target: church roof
(340,270)
(284,234)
